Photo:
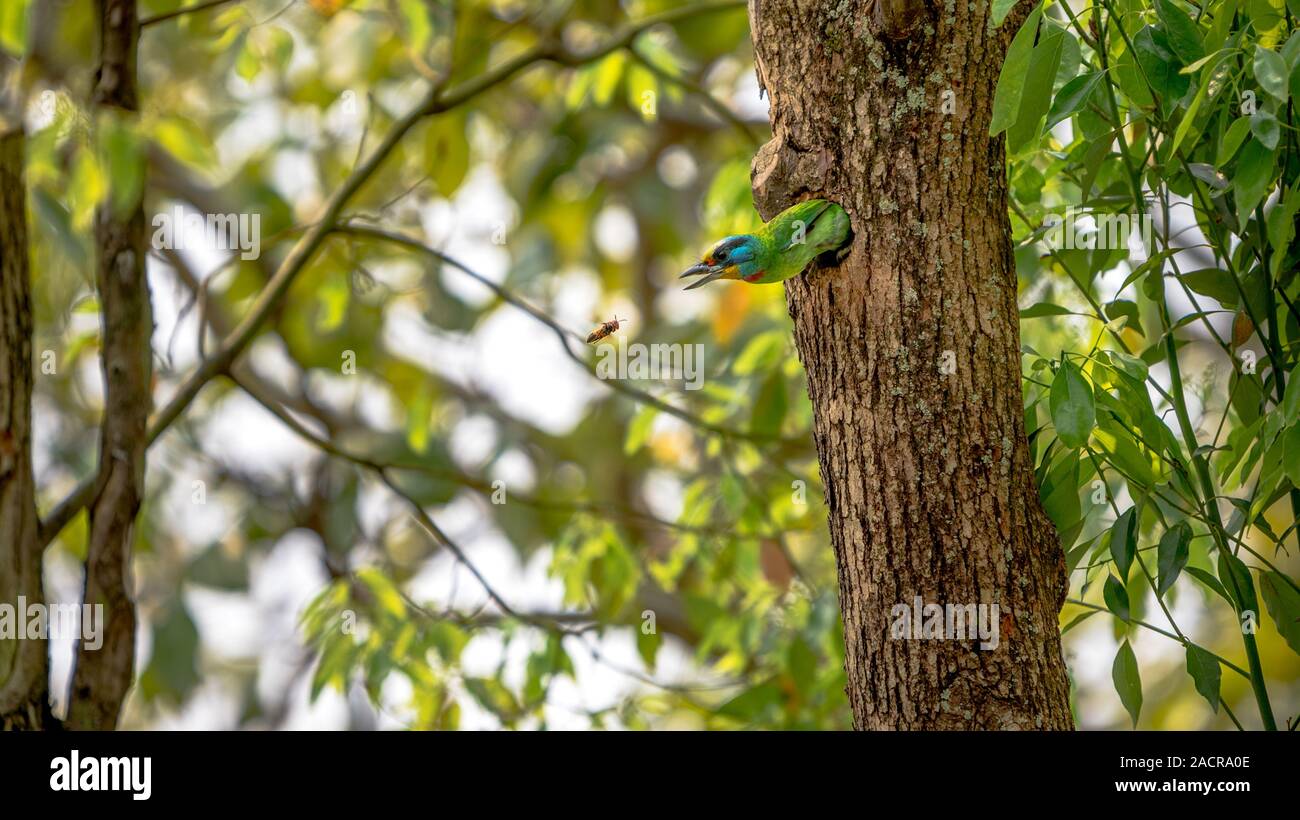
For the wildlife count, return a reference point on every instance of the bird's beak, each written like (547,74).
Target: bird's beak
(710,272)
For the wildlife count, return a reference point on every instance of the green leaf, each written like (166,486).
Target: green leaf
(416,28)
(276,46)
(55,218)
(335,664)
(1171,555)
(802,663)
(638,432)
(1131,366)
(1265,128)
(1071,59)
(1078,619)
(752,703)
(1116,598)
(765,350)
(216,567)
(1252,179)
(447,639)
(1291,453)
(13,26)
(1205,672)
(770,406)
(1072,97)
(1236,580)
(334,296)
(1189,118)
(1074,413)
(1290,50)
(1036,96)
(418,410)
(1128,309)
(1011,82)
(446,151)
(1291,401)
(1224,16)
(1060,491)
(1232,139)
(608,72)
(1123,541)
(186,141)
(1045,309)
(1184,36)
(1161,66)
(1282,228)
(247,64)
(387,597)
(1214,283)
(1001,8)
(1283,603)
(1209,582)
(122,155)
(1128,683)
(642,86)
(1193,67)
(647,646)
(495,697)
(1206,173)
(1271,73)
(173,671)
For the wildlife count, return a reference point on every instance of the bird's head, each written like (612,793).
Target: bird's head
(735,257)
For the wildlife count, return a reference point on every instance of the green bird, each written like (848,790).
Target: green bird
(780,249)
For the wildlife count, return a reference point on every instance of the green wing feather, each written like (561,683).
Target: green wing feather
(805,213)
(825,228)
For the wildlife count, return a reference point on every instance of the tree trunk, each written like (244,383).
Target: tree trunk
(24,682)
(102,677)
(911,348)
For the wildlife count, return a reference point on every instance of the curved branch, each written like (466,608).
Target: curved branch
(102,675)
(436,101)
(181,12)
(564,334)
(712,103)
(24,665)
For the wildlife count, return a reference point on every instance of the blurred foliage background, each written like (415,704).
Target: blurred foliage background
(635,563)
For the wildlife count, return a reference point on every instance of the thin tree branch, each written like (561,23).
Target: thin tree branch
(437,101)
(103,675)
(181,12)
(247,379)
(718,107)
(566,336)
(24,673)
(1171,636)
(382,472)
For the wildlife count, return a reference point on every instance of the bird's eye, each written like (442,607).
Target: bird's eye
(720,256)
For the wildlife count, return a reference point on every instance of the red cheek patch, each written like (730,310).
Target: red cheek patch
(754,277)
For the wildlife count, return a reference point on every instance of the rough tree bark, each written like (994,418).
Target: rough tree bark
(102,677)
(929,486)
(24,682)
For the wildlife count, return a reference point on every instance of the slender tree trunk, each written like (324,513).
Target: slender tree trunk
(24,681)
(102,677)
(911,348)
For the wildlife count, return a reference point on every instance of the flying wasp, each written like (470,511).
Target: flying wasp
(604,330)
